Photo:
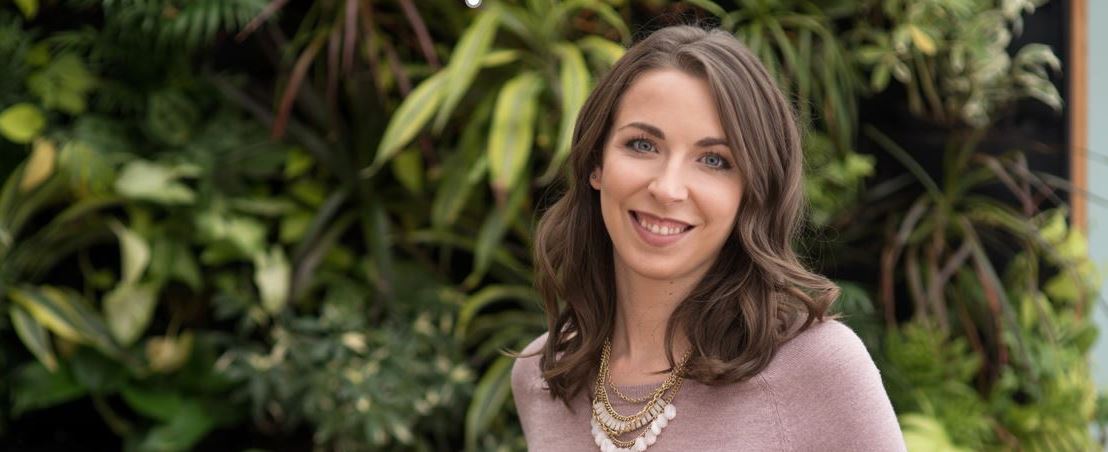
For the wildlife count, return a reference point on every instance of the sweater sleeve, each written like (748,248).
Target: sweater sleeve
(830,395)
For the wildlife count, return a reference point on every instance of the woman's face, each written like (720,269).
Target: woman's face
(666,164)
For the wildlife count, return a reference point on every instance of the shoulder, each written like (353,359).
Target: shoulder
(825,380)
(828,352)
(526,372)
(822,344)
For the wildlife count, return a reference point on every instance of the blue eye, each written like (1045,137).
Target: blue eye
(634,141)
(722,162)
(642,145)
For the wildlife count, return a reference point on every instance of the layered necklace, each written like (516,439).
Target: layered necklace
(608,424)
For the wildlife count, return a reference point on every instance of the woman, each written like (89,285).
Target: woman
(669,280)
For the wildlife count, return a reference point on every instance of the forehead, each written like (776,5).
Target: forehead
(680,104)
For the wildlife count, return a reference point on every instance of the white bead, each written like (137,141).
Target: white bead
(662,421)
(640,444)
(650,438)
(670,411)
(655,428)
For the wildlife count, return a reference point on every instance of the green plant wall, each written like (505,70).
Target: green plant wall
(313,221)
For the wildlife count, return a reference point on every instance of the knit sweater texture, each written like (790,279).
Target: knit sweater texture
(821,392)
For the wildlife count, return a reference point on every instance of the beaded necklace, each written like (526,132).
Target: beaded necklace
(608,424)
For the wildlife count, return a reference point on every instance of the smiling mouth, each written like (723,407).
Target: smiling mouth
(657,229)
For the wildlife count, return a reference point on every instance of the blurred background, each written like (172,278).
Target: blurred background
(277,225)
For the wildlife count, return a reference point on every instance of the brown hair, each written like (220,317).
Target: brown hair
(752,298)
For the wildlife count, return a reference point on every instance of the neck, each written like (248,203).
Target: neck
(643,309)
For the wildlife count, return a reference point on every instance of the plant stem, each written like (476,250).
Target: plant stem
(118,425)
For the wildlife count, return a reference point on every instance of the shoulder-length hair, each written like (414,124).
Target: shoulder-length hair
(756,295)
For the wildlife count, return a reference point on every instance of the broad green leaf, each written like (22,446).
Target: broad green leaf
(297,163)
(64,313)
(576,82)
(151,181)
(40,165)
(922,40)
(499,57)
(247,234)
(924,433)
(20,123)
(128,309)
(28,7)
(190,424)
(52,312)
(602,49)
(512,131)
(488,399)
(273,275)
(493,231)
(156,404)
(87,169)
(293,226)
(710,6)
(478,301)
(134,253)
(407,166)
(63,85)
(408,119)
(96,372)
(466,61)
(35,387)
(173,260)
(34,337)
(464,169)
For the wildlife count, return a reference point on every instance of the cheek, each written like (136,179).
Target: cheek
(724,202)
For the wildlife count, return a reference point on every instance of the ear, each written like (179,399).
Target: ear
(594,178)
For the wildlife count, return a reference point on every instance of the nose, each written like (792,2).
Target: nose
(669,186)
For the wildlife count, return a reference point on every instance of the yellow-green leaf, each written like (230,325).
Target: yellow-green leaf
(466,60)
(141,179)
(464,169)
(408,119)
(407,166)
(20,123)
(128,310)
(513,131)
(64,313)
(575,82)
(486,296)
(489,397)
(922,40)
(29,8)
(272,275)
(34,336)
(134,253)
(602,49)
(39,166)
(499,57)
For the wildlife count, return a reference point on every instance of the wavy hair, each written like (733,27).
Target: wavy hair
(756,295)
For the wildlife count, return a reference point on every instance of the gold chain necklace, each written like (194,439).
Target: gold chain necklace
(608,424)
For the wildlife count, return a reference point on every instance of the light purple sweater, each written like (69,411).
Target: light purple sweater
(821,392)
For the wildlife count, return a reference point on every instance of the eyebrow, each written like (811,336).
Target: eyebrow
(704,142)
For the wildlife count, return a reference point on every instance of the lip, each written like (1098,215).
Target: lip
(655,239)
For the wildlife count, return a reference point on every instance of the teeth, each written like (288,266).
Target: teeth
(660,230)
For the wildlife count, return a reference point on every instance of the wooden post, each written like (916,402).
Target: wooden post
(1078,103)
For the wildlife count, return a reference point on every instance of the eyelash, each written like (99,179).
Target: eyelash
(724,165)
